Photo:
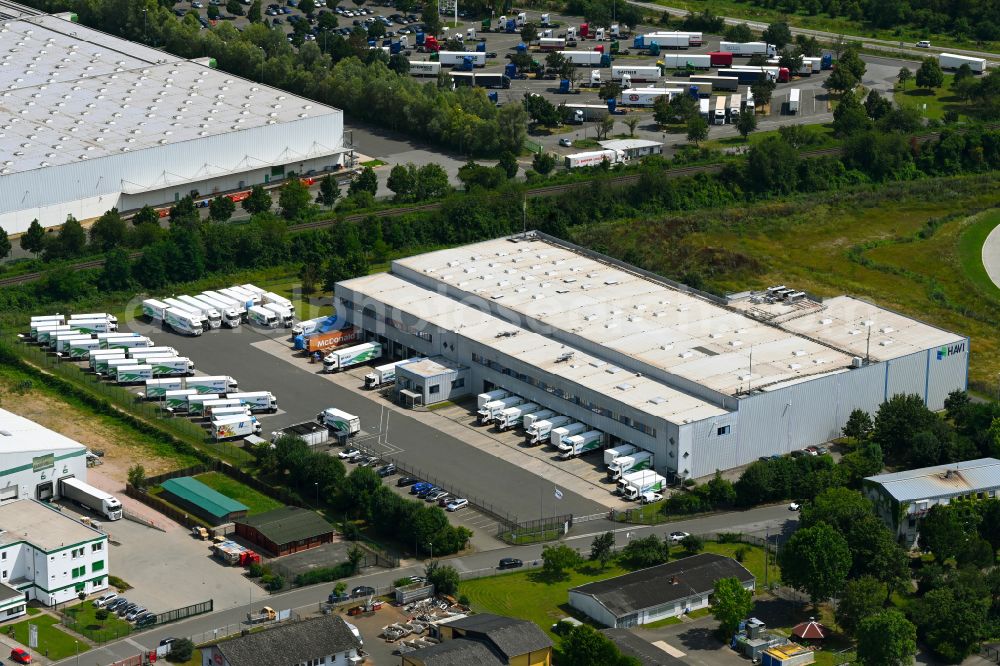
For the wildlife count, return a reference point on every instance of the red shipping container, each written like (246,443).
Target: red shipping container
(721,58)
(324,341)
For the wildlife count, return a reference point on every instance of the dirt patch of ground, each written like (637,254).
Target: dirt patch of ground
(119,443)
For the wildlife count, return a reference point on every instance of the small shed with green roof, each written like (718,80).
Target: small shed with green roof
(192,495)
(286,530)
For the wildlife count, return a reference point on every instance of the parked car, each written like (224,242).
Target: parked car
(510,563)
(20,656)
(457,504)
(677,537)
(923,44)
(649,498)
(124,611)
(145,620)
(822,450)
(167,641)
(105,599)
(434,495)
(566,142)
(362,591)
(424,493)
(445,499)
(355,610)
(386,470)
(420,486)
(337,598)
(404,481)
(347,453)
(118,603)
(812,450)
(794,506)
(136,612)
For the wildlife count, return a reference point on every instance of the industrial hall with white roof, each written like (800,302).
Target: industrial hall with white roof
(90,122)
(702,382)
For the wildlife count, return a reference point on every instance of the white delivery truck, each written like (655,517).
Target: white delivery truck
(151,352)
(735,106)
(196,402)
(216,412)
(685,61)
(127,342)
(583,58)
(45,331)
(207,406)
(93,315)
(556,434)
(94,325)
(634,462)
(171,366)
(64,344)
(383,375)
(183,322)
(424,68)
(512,416)
(87,495)
(793,100)
(551,43)
(230,316)
(648,96)
(133,374)
(340,421)
(209,311)
(212,384)
(455,58)
(193,311)
(635,485)
(635,73)
(952,61)
(177,400)
(618,451)
(286,317)
(749,48)
(339,359)
(705,108)
(98,354)
(262,316)
(575,445)
(55,319)
(156,389)
(490,396)
(591,158)
(99,364)
(667,40)
(253,289)
(243,296)
(491,410)
(257,401)
(539,431)
(228,302)
(719,118)
(154,310)
(235,426)
(110,366)
(535,416)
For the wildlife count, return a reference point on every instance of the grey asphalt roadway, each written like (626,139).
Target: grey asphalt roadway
(769,520)
(301,395)
(888,45)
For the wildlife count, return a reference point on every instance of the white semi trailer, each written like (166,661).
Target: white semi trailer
(93,498)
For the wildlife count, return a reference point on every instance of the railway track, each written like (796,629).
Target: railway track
(624,180)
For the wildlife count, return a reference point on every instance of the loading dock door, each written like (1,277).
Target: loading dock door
(43,491)
(8,493)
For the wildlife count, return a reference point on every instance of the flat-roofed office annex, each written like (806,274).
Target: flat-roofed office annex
(703,382)
(89,121)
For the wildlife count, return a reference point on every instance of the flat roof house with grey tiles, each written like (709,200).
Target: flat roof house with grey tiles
(901,499)
(656,593)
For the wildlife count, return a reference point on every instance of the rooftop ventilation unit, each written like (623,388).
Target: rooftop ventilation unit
(565,356)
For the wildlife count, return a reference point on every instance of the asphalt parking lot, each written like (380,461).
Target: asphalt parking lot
(261,360)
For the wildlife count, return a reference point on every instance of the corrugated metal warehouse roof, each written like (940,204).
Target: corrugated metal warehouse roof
(949,480)
(194,491)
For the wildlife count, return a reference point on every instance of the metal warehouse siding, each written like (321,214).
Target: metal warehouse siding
(861,388)
(946,375)
(906,375)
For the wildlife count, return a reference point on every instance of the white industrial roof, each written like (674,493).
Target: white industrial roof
(430,367)
(629,144)
(959,478)
(21,435)
(69,93)
(42,527)
(642,393)
(681,333)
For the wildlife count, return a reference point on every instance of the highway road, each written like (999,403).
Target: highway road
(770,520)
(884,44)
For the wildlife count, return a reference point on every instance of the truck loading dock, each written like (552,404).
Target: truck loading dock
(32,457)
(650,362)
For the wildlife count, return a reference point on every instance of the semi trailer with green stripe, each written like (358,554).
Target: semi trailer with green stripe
(339,359)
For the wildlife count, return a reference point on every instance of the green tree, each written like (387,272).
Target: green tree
(631,122)
(886,639)
(146,215)
(840,79)
(585,646)
(443,577)
(376,30)
(116,274)
(602,548)
(772,166)
(402,181)
(898,420)
(851,61)
(946,529)
(692,545)
(431,182)
(877,106)
(429,17)
(861,598)
(904,75)
(954,619)
(838,507)
(366,181)
(234,7)
(213,13)
(859,425)
(850,117)
(64,283)
(221,209)
(875,552)
(556,559)
(604,127)
(541,110)
(738,33)
(778,34)
(697,129)
(329,190)
(137,476)
(108,231)
(529,32)
(307,6)
(746,122)
(930,74)
(731,603)
(610,90)
(101,614)
(5,245)
(543,162)
(259,200)
(294,199)
(816,560)
(33,240)
(253,14)
(761,92)
(646,552)
(72,239)
(399,63)
(508,162)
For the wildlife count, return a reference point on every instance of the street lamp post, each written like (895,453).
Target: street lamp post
(144,38)
(430,545)
(316,485)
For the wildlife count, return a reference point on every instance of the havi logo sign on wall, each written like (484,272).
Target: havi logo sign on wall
(950,350)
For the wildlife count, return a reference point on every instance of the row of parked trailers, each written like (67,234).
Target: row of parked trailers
(229,307)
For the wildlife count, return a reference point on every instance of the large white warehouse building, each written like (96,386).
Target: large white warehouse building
(704,383)
(89,122)
(34,458)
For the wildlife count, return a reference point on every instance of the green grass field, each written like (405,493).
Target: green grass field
(255,501)
(52,641)
(931,103)
(85,614)
(821,136)
(753,560)
(844,26)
